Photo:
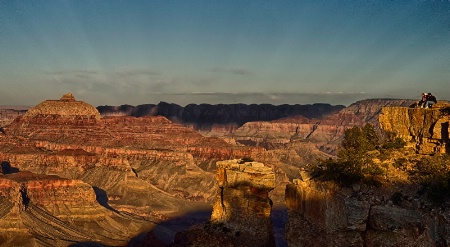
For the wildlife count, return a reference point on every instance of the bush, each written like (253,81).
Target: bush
(397,143)
(353,161)
(343,173)
(434,174)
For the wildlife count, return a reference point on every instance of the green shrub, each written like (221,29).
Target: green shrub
(396,143)
(353,160)
(343,173)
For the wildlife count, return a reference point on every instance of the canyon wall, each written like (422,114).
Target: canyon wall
(427,130)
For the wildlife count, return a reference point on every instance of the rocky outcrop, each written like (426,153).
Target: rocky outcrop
(241,212)
(427,130)
(67,106)
(322,214)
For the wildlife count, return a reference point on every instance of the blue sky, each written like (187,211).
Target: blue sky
(136,52)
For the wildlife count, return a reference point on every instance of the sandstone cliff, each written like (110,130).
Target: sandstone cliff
(241,211)
(427,130)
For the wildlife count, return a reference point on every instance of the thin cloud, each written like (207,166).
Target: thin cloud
(236,71)
(136,72)
(72,72)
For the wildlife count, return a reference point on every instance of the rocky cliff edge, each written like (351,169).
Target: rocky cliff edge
(427,130)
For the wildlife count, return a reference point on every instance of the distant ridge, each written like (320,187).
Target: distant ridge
(15,107)
(204,115)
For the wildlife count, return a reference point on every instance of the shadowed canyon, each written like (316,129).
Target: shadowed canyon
(212,175)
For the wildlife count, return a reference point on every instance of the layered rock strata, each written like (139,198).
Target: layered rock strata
(143,168)
(241,212)
(171,157)
(427,130)
(322,214)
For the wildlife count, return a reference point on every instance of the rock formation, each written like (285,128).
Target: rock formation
(427,130)
(241,211)
(322,214)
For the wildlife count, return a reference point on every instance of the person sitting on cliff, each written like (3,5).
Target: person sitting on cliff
(430,100)
(422,101)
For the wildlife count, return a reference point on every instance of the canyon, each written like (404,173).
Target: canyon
(76,174)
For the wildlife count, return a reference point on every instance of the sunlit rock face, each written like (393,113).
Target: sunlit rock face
(243,193)
(427,130)
(241,212)
(323,214)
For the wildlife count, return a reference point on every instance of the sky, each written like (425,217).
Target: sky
(234,51)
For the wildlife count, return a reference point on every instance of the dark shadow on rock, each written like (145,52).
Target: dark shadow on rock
(7,169)
(88,244)
(279,218)
(164,233)
(102,198)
